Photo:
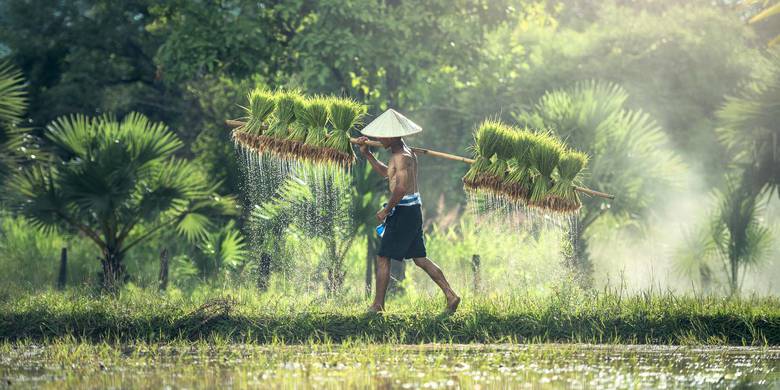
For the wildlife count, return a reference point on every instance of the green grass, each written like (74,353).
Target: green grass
(245,316)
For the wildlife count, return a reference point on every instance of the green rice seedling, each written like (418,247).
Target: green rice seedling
(487,138)
(545,155)
(570,167)
(519,180)
(345,114)
(495,175)
(261,105)
(286,103)
(315,118)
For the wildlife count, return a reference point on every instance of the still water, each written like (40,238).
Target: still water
(204,365)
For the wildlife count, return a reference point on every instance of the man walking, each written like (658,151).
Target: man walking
(401,217)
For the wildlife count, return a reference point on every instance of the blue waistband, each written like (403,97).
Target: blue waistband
(411,200)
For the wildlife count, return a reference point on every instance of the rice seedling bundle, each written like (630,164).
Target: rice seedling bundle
(314,117)
(345,114)
(563,197)
(261,105)
(545,154)
(287,103)
(487,144)
(519,180)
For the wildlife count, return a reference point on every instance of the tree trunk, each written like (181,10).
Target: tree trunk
(62,277)
(264,272)
(114,273)
(163,278)
(475,268)
(336,272)
(734,280)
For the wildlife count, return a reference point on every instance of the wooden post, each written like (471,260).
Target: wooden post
(163,279)
(475,262)
(62,277)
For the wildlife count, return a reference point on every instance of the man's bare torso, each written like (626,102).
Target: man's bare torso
(404,160)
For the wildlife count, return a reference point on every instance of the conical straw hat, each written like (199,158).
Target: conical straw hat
(391,124)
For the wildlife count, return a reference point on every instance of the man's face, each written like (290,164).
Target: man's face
(386,142)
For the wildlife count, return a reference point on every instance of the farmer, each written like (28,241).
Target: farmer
(401,217)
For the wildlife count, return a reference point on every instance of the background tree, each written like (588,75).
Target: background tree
(740,239)
(750,129)
(629,156)
(118,184)
(12,105)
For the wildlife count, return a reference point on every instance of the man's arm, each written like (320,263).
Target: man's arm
(376,164)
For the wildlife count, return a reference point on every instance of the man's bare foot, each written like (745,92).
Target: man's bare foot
(452,304)
(375,309)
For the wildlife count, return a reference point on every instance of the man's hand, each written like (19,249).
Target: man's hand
(364,150)
(381,215)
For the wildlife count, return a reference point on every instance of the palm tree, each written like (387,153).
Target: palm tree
(118,184)
(628,154)
(12,105)
(749,125)
(734,240)
(738,236)
(321,209)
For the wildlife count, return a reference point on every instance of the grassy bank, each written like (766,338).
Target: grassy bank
(245,316)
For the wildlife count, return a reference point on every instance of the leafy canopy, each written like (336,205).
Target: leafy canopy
(118,183)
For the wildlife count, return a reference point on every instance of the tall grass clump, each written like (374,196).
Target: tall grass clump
(315,118)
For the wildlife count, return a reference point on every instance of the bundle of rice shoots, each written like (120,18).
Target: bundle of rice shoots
(519,180)
(286,103)
(545,155)
(314,116)
(344,114)
(261,105)
(570,167)
(487,138)
(503,147)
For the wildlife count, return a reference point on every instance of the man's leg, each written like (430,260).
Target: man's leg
(382,280)
(437,275)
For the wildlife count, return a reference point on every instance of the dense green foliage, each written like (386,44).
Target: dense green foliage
(700,69)
(12,106)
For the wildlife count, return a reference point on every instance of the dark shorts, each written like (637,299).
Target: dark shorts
(403,237)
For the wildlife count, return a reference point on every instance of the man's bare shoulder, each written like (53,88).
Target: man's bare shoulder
(402,159)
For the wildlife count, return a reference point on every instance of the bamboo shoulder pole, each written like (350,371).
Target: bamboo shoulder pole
(236,124)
